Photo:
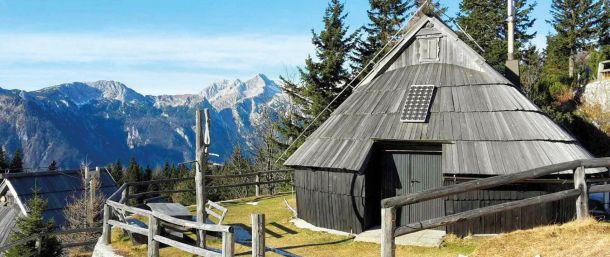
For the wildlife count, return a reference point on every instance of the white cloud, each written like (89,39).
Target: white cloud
(230,51)
(42,59)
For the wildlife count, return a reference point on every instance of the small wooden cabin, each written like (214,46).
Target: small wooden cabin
(431,113)
(57,187)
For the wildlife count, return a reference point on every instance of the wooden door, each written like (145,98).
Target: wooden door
(407,172)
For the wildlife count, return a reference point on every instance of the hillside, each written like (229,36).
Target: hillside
(105,120)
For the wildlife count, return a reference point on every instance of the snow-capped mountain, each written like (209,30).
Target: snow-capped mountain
(105,120)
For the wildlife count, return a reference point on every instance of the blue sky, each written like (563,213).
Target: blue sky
(166,47)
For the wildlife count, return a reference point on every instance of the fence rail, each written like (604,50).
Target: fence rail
(117,204)
(580,192)
(58,232)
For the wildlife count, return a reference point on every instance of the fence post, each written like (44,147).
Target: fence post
(582,202)
(388,225)
(257,187)
(228,244)
(125,195)
(258,234)
(106,232)
(153,230)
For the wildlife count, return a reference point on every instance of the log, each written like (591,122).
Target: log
(582,202)
(442,221)
(131,228)
(258,234)
(123,207)
(186,247)
(106,231)
(153,230)
(479,184)
(596,163)
(251,184)
(388,225)
(228,244)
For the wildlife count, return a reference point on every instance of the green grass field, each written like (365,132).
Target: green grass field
(582,238)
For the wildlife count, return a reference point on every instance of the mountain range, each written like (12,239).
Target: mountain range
(103,121)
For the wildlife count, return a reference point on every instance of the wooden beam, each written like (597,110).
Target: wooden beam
(106,231)
(131,228)
(228,244)
(388,225)
(123,207)
(258,234)
(441,221)
(186,247)
(153,230)
(582,202)
(596,162)
(479,184)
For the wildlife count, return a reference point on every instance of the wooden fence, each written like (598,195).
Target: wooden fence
(38,237)
(116,210)
(580,192)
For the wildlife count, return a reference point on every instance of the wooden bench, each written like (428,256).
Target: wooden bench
(216,210)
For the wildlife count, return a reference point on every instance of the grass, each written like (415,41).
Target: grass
(583,238)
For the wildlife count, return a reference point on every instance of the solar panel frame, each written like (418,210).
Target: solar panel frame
(417,104)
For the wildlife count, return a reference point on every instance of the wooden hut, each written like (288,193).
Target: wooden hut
(432,112)
(58,188)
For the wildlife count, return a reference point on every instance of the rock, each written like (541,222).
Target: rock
(598,92)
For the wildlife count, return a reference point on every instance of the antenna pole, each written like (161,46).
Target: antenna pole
(511,29)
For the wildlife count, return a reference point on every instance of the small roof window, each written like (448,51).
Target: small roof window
(416,105)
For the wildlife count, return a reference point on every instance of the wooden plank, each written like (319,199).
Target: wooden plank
(187,248)
(477,184)
(258,234)
(388,225)
(450,219)
(191,224)
(132,228)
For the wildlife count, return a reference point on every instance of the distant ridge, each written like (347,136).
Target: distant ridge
(106,120)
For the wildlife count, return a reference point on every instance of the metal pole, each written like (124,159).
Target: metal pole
(511,29)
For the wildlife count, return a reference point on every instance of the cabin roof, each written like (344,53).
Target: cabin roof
(57,187)
(8,217)
(486,125)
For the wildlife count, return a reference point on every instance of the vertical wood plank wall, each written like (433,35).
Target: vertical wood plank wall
(331,199)
(522,218)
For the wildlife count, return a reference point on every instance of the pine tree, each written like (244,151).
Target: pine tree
(17,162)
(323,77)
(485,21)
(117,172)
(3,160)
(53,166)
(386,18)
(604,26)
(133,174)
(577,24)
(432,8)
(33,224)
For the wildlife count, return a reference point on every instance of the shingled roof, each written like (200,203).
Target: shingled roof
(57,187)
(486,125)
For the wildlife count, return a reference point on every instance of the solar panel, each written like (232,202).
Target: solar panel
(417,103)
